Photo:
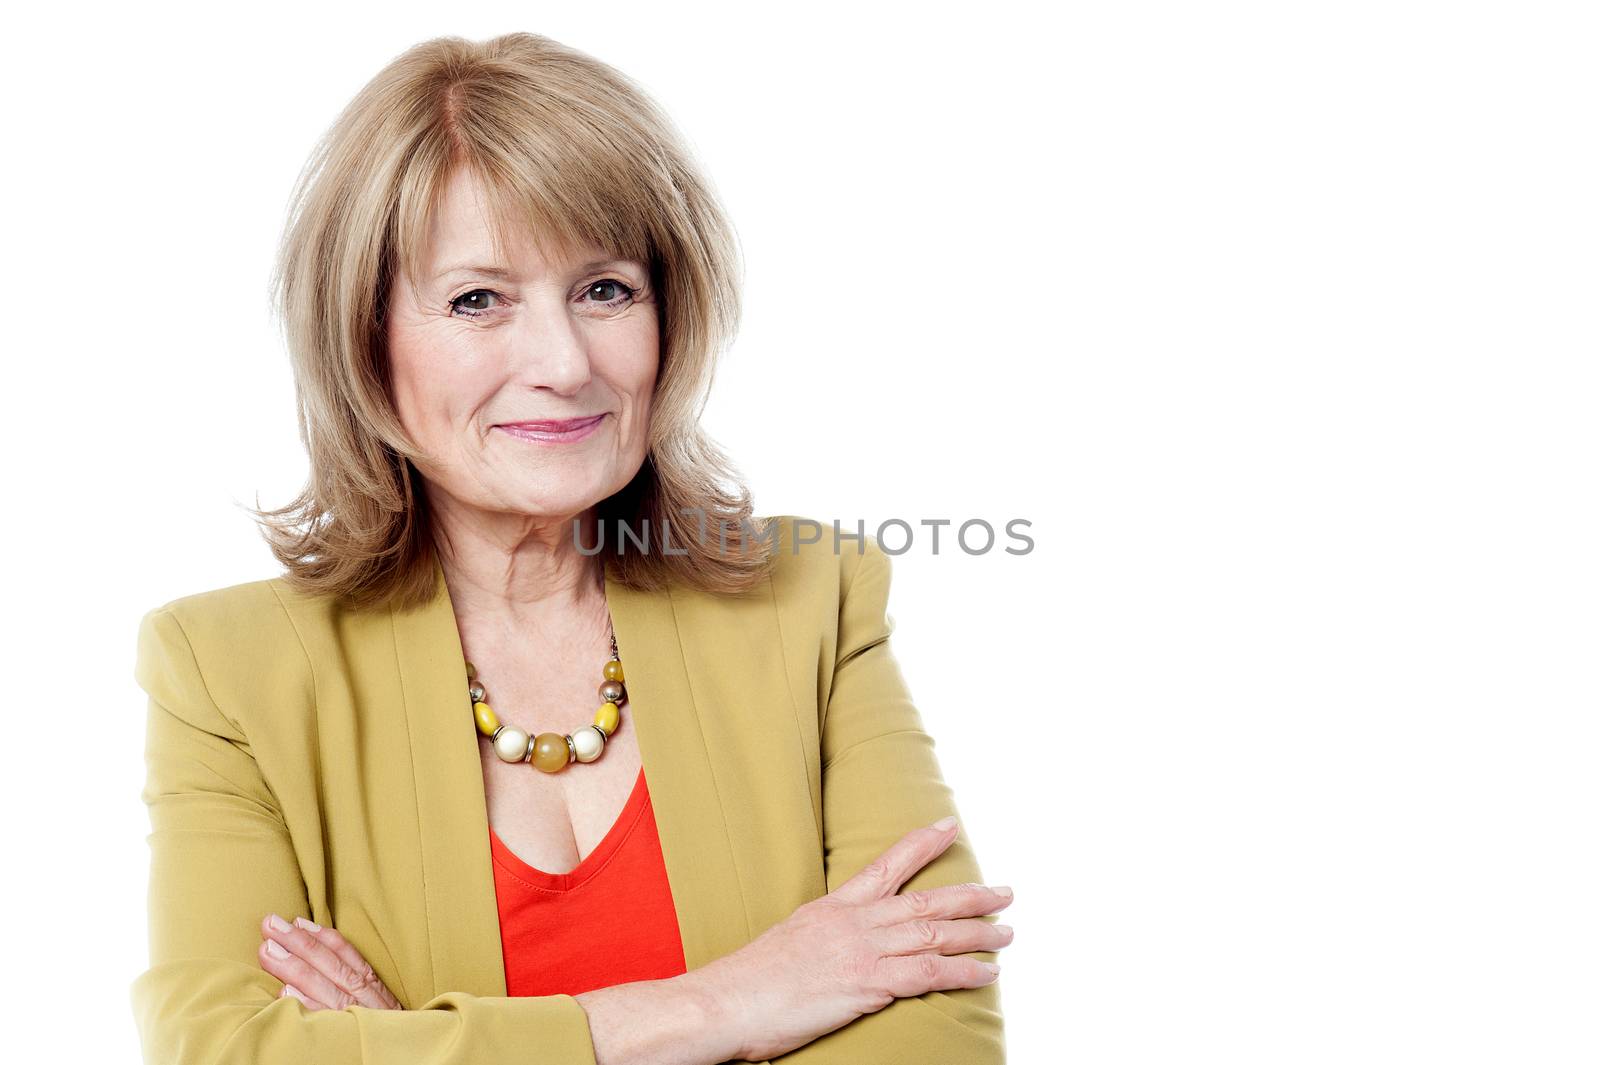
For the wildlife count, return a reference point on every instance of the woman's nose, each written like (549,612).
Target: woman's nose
(550,351)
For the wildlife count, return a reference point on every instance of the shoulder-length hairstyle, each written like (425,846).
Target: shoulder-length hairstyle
(576,153)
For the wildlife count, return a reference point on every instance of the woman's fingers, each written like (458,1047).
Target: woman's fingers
(369,990)
(915,974)
(290,991)
(322,975)
(952,900)
(306,982)
(923,936)
(886,873)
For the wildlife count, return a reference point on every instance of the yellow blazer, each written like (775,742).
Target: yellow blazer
(306,759)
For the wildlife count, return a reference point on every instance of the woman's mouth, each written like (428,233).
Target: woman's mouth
(553,431)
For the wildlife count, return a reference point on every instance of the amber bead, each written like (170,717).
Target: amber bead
(550,752)
(614,670)
(488,720)
(606,717)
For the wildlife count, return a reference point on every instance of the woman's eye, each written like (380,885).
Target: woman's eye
(476,309)
(479,301)
(608,292)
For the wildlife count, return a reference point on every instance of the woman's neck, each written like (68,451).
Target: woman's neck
(514,579)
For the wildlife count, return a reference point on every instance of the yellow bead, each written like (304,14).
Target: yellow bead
(488,721)
(550,752)
(614,670)
(607,717)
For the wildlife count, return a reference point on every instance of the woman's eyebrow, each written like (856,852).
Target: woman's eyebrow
(489,270)
(475,268)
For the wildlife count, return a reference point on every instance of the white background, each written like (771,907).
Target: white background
(1276,320)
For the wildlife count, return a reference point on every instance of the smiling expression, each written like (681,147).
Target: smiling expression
(478,344)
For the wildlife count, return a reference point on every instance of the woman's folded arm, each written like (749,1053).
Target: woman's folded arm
(880,780)
(220,860)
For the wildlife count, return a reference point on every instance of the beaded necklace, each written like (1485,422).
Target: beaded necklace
(551,752)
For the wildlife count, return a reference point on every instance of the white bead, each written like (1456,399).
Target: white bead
(589,741)
(511,744)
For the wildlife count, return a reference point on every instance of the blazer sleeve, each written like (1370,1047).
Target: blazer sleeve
(221,859)
(880,780)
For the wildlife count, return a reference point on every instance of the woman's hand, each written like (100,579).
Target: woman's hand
(319,966)
(855,950)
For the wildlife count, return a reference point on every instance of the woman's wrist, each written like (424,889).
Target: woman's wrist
(674,1021)
(717,1014)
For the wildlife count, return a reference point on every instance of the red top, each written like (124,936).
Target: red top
(609,921)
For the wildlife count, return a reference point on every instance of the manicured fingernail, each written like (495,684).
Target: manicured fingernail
(1003,892)
(944,824)
(276,949)
(991,966)
(295,991)
(308,924)
(278,922)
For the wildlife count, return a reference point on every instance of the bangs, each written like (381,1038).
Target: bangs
(561,185)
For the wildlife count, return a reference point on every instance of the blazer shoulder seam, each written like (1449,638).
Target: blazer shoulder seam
(194,660)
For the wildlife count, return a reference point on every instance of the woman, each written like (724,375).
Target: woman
(388,822)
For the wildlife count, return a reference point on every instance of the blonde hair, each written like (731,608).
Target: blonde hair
(578,153)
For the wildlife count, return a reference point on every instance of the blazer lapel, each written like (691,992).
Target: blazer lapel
(676,751)
(452,811)
(458,878)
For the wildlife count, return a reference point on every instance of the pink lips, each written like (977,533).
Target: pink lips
(553,431)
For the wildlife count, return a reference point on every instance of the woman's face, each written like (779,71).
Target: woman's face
(476,346)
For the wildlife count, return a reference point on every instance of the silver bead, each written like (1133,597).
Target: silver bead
(479,693)
(612,691)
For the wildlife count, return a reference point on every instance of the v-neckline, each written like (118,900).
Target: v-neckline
(591,863)
(455,876)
